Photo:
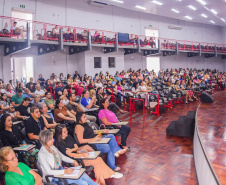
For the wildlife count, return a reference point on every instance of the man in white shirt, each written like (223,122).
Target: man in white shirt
(39,91)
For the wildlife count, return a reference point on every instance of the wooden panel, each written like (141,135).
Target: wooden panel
(211,119)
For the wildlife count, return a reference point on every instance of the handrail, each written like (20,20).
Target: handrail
(131,108)
(123,91)
(156,107)
(136,36)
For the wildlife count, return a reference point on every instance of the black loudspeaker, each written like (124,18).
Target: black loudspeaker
(206,98)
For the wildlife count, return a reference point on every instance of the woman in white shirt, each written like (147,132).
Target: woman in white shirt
(64,96)
(50,159)
(141,90)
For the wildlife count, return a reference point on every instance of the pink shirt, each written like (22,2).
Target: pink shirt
(111,117)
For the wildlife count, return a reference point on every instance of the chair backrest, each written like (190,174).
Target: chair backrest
(1,144)
(39,168)
(76,139)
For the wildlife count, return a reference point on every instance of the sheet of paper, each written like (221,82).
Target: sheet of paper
(91,154)
(73,174)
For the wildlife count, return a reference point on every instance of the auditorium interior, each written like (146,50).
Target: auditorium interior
(112,92)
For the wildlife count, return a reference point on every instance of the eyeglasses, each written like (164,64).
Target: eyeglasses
(12,159)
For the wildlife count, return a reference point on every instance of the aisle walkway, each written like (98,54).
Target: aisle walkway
(157,159)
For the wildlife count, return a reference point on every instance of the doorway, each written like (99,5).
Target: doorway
(23,15)
(153,63)
(22,69)
(152,33)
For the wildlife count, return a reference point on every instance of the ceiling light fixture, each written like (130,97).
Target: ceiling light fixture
(204,15)
(192,7)
(212,22)
(140,7)
(188,17)
(176,11)
(212,10)
(157,2)
(223,19)
(118,1)
(202,2)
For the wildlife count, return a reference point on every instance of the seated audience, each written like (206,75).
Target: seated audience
(9,91)
(17,98)
(64,97)
(41,80)
(55,32)
(17,172)
(31,87)
(51,159)
(7,107)
(27,93)
(22,110)
(39,91)
(36,100)
(86,101)
(85,134)
(49,101)
(115,93)
(34,124)
(112,106)
(12,136)
(31,82)
(75,107)
(12,85)
(62,114)
(67,146)
(107,117)
(48,120)
(58,90)
(17,30)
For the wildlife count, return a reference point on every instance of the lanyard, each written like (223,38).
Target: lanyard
(39,125)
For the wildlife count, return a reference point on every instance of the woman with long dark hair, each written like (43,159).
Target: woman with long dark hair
(85,134)
(67,146)
(108,117)
(12,136)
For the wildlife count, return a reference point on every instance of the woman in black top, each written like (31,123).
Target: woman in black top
(67,146)
(85,134)
(22,110)
(112,106)
(49,123)
(12,136)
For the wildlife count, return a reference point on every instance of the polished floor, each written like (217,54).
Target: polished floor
(211,121)
(155,158)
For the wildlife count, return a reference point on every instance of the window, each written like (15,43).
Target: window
(111,62)
(97,62)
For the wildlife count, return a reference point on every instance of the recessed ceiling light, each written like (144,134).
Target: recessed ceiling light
(174,10)
(204,15)
(223,19)
(202,2)
(192,7)
(140,7)
(212,10)
(157,2)
(118,1)
(212,21)
(188,17)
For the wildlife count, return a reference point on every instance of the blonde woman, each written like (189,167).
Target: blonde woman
(17,173)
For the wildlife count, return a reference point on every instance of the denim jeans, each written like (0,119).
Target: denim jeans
(111,148)
(83,180)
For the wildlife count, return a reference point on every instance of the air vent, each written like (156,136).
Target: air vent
(175,27)
(97,3)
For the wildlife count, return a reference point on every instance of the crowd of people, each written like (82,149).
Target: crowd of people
(62,128)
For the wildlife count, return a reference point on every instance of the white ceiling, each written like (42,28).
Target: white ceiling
(182,6)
